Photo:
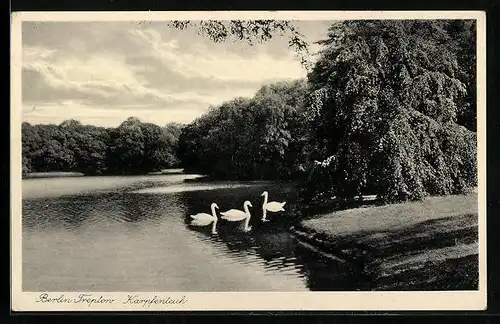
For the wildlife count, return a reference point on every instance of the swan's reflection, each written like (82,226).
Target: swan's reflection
(270,244)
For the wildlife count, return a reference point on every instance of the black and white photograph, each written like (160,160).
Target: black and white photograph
(209,160)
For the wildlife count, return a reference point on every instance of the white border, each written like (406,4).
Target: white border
(349,301)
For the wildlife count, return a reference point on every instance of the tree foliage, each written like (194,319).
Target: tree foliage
(250,31)
(391,107)
(132,148)
(258,138)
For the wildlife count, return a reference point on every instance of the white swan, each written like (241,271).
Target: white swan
(271,206)
(236,215)
(204,219)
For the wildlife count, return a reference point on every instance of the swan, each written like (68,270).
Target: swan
(204,219)
(271,206)
(236,215)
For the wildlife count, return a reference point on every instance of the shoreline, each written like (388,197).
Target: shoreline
(55,174)
(437,250)
(63,174)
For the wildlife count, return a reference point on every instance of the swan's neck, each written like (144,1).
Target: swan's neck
(247,220)
(214,225)
(248,214)
(264,210)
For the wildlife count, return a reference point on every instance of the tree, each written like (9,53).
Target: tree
(283,136)
(44,149)
(88,145)
(385,100)
(172,131)
(126,148)
(257,138)
(169,142)
(30,144)
(159,146)
(26,165)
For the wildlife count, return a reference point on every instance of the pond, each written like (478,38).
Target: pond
(133,234)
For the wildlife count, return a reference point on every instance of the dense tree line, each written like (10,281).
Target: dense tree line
(131,148)
(263,137)
(389,108)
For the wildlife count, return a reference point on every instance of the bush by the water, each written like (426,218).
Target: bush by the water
(132,148)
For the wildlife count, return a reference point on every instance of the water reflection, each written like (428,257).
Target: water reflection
(270,243)
(137,231)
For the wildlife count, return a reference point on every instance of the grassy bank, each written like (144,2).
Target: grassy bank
(430,244)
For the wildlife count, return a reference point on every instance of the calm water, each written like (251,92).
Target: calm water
(133,234)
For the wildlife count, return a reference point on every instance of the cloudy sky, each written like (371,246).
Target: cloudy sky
(101,73)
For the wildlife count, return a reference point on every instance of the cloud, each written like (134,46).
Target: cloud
(110,71)
(198,61)
(101,79)
(35,53)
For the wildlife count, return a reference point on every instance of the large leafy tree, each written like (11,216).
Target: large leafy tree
(88,144)
(126,148)
(257,138)
(44,149)
(283,134)
(159,146)
(387,98)
(212,144)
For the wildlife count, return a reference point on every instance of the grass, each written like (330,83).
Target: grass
(431,243)
(394,216)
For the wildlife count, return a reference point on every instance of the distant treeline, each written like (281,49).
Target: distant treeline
(132,148)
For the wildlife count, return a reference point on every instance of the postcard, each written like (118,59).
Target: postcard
(248,161)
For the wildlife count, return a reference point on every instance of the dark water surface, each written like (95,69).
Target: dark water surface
(132,234)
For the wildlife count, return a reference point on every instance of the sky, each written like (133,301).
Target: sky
(101,73)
